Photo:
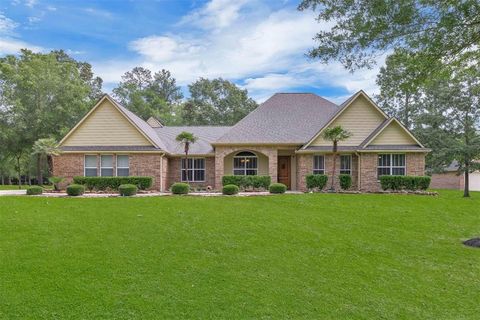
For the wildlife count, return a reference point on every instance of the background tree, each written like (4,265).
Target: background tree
(399,82)
(335,135)
(186,139)
(216,102)
(43,149)
(150,95)
(42,95)
(446,31)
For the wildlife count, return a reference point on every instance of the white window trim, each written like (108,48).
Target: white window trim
(244,169)
(313,167)
(116,164)
(114,173)
(204,169)
(391,166)
(85,164)
(351,164)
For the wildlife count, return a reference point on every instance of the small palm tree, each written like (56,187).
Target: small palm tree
(186,138)
(43,149)
(335,134)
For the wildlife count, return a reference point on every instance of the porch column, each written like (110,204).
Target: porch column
(272,164)
(219,166)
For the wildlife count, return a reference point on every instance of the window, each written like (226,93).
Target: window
(90,166)
(245,164)
(391,164)
(195,171)
(346,164)
(123,168)
(318,165)
(106,165)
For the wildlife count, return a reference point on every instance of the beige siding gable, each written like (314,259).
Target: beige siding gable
(393,134)
(361,118)
(106,126)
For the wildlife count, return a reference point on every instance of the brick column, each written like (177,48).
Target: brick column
(415,164)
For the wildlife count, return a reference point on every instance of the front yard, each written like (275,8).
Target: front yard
(293,256)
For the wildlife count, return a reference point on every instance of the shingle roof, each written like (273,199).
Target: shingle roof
(206,135)
(284,118)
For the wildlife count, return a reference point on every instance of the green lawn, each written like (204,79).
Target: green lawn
(15,187)
(313,256)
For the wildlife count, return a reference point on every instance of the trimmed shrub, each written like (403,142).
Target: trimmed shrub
(75,190)
(34,190)
(345,181)
(56,181)
(277,188)
(180,188)
(424,182)
(104,183)
(316,181)
(410,183)
(126,190)
(244,182)
(230,189)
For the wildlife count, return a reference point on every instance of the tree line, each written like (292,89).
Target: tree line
(43,95)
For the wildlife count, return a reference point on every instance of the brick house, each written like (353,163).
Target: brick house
(282,138)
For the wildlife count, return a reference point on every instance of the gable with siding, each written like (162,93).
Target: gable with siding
(106,126)
(360,117)
(393,134)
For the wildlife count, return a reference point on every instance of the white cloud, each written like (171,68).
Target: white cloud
(264,53)
(51,8)
(216,14)
(7,25)
(99,13)
(30,3)
(8,43)
(13,46)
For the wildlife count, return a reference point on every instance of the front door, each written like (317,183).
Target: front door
(284,170)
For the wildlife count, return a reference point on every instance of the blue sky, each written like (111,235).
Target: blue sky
(259,45)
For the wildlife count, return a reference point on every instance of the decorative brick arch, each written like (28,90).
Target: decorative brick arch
(222,151)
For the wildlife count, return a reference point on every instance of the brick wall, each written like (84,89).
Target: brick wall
(174,174)
(447,180)
(69,165)
(415,164)
(305,167)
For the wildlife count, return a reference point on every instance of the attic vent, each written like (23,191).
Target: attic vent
(154,123)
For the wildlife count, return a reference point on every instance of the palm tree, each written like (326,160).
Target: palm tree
(186,138)
(44,149)
(335,134)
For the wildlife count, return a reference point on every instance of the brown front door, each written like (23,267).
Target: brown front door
(284,170)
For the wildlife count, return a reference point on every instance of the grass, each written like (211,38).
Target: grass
(313,256)
(23,187)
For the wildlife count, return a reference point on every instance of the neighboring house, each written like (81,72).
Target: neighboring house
(452,179)
(282,138)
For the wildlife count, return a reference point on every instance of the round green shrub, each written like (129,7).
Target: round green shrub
(345,181)
(75,190)
(34,190)
(180,188)
(230,189)
(277,188)
(126,190)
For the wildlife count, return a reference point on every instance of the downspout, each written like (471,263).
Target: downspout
(359,171)
(161,172)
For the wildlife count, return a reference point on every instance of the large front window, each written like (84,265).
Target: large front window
(391,165)
(318,165)
(106,166)
(194,171)
(90,166)
(245,164)
(123,166)
(346,164)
